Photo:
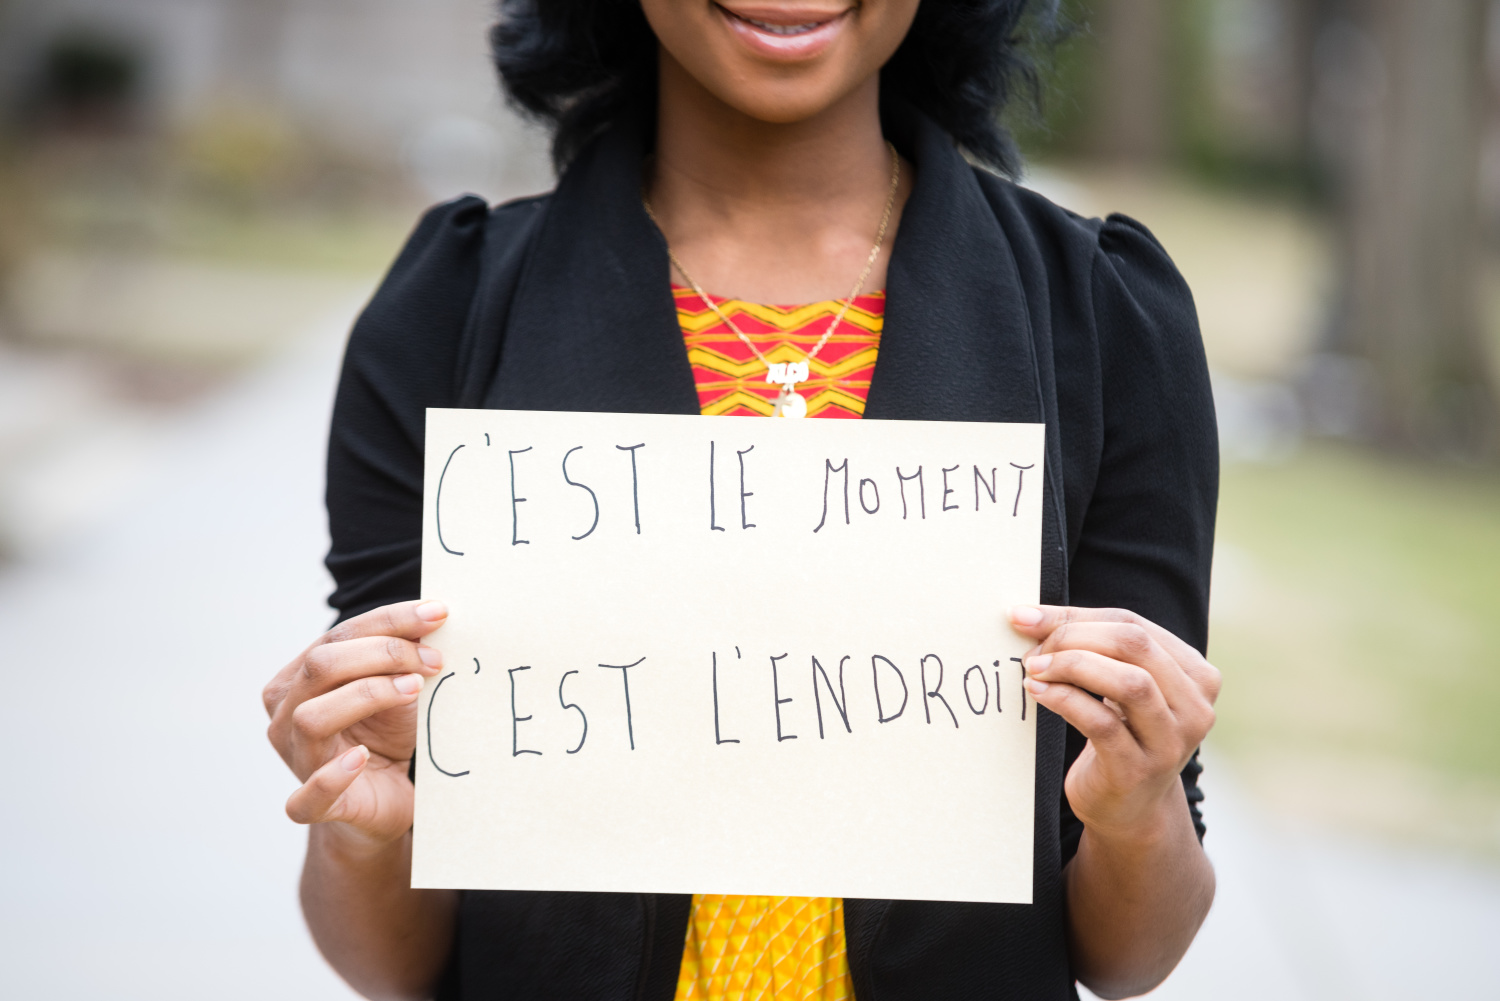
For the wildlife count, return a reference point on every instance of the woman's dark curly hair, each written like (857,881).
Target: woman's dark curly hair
(577,65)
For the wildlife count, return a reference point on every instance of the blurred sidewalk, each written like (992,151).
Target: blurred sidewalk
(1304,915)
(148,853)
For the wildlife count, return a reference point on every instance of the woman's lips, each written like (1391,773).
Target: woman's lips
(784,35)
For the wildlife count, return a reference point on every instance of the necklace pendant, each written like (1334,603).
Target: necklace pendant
(789,404)
(787,375)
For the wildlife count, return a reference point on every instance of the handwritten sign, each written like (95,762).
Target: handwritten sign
(688,654)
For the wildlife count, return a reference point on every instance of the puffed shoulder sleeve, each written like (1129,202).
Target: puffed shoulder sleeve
(400,360)
(1148,532)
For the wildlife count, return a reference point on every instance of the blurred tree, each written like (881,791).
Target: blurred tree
(1248,91)
(1402,94)
(1112,84)
(1133,97)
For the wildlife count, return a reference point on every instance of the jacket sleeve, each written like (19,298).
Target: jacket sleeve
(1148,532)
(400,360)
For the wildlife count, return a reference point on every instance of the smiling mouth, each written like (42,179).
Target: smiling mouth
(782,29)
(785,30)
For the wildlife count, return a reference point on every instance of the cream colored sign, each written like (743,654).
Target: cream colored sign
(691,654)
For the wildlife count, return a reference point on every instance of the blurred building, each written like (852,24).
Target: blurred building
(388,80)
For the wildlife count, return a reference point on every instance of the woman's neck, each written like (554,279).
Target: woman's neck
(772,212)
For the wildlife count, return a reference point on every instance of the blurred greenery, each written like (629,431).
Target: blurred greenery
(1073,75)
(345,240)
(237,191)
(1356,612)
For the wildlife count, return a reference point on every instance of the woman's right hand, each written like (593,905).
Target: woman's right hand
(344,719)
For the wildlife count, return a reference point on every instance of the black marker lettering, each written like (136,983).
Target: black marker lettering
(515,721)
(828,469)
(875,673)
(476,664)
(635,485)
(592,496)
(970,698)
(868,508)
(948,490)
(486,439)
(776,694)
(717,738)
(430,701)
(1023,685)
(437,506)
(1020,476)
(713,520)
(989,487)
(997,688)
(840,701)
(515,518)
(921,490)
(624,670)
(937,691)
(569,705)
(745,522)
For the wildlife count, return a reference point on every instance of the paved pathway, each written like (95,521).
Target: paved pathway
(147,852)
(147,855)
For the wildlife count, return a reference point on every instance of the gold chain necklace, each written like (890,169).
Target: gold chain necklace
(789,374)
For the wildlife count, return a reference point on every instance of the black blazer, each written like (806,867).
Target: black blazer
(1001,307)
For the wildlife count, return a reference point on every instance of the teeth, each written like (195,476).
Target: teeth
(784,29)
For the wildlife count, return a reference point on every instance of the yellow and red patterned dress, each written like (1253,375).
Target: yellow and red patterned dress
(732,381)
(775,948)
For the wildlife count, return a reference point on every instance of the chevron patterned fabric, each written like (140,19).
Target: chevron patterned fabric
(731,380)
(772,948)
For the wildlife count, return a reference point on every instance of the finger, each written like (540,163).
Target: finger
(317,799)
(1131,687)
(275,691)
(332,665)
(1088,715)
(1129,643)
(317,721)
(1039,621)
(408,619)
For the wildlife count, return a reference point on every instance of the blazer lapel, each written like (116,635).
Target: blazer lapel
(593,326)
(956,345)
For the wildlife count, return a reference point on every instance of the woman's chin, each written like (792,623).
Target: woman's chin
(787,104)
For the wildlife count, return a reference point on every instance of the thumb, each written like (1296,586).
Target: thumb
(318,797)
(1036,621)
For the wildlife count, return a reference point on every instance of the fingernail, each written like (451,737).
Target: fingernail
(430,656)
(431,611)
(353,760)
(1037,665)
(409,683)
(1025,615)
(1036,687)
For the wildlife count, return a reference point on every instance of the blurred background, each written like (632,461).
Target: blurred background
(196,196)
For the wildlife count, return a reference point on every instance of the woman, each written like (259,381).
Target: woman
(719,158)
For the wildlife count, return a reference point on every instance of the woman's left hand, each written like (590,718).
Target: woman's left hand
(1158,705)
